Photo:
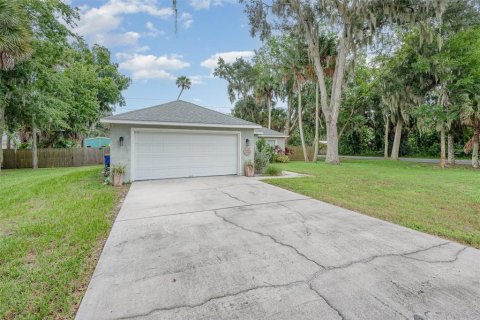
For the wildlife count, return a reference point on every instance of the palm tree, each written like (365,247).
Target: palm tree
(15,35)
(15,38)
(183,82)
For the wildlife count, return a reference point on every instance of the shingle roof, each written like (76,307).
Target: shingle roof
(179,112)
(265,132)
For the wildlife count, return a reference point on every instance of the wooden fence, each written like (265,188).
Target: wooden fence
(298,152)
(48,158)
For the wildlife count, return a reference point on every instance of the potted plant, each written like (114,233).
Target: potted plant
(249,168)
(117,171)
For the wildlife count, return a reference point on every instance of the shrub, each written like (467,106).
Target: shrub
(117,169)
(278,150)
(262,159)
(282,158)
(273,171)
(262,145)
(289,152)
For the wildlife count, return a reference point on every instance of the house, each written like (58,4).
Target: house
(97,142)
(272,137)
(180,139)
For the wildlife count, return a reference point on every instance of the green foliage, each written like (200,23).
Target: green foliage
(262,160)
(66,86)
(15,35)
(282,158)
(262,145)
(273,171)
(118,169)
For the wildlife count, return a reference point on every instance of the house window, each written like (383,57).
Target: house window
(272,142)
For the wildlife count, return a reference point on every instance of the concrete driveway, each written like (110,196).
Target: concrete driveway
(237,248)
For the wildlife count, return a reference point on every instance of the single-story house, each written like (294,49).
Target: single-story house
(180,139)
(272,137)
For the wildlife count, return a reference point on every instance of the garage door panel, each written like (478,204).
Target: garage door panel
(184,154)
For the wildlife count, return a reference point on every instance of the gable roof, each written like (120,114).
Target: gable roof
(180,113)
(265,132)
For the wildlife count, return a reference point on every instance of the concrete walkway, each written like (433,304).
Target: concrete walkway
(462,162)
(237,248)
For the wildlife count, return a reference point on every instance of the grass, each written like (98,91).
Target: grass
(442,202)
(53,223)
(273,170)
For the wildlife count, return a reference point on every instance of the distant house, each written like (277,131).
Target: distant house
(272,137)
(97,142)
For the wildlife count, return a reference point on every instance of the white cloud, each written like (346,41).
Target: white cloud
(99,24)
(229,57)
(117,39)
(206,4)
(196,79)
(152,31)
(186,19)
(150,66)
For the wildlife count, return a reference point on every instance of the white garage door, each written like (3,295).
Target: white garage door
(159,155)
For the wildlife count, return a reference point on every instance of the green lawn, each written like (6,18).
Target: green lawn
(53,223)
(419,196)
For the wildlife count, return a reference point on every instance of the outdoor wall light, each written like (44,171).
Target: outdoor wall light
(121,141)
(247,142)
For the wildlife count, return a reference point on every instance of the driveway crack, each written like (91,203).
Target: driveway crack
(230,195)
(340,314)
(457,254)
(190,306)
(270,237)
(302,218)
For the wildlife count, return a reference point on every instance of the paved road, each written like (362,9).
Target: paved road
(419,160)
(237,248)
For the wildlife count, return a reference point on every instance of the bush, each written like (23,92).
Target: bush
(262,159)
(273,171)
(117,169)
(289,151)
(282,158)
(262,145)
(278,150)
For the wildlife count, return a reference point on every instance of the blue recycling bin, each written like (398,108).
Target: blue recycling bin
(106,161)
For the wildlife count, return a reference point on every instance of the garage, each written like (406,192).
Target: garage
(179,139)
(160,154)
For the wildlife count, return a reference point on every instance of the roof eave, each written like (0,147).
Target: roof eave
(180,124)
(272,136)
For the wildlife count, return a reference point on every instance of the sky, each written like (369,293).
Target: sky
(141,37)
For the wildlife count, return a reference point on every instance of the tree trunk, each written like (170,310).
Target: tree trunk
(34,146)
(300,124)
(385,137)
(476,137)
(269,103)
(442,147)
(317,121)
(451,150)
(287,122)
(2,129)
(178,98)
(332,143)
(396,141)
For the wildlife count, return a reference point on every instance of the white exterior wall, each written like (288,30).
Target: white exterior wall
(121,155)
